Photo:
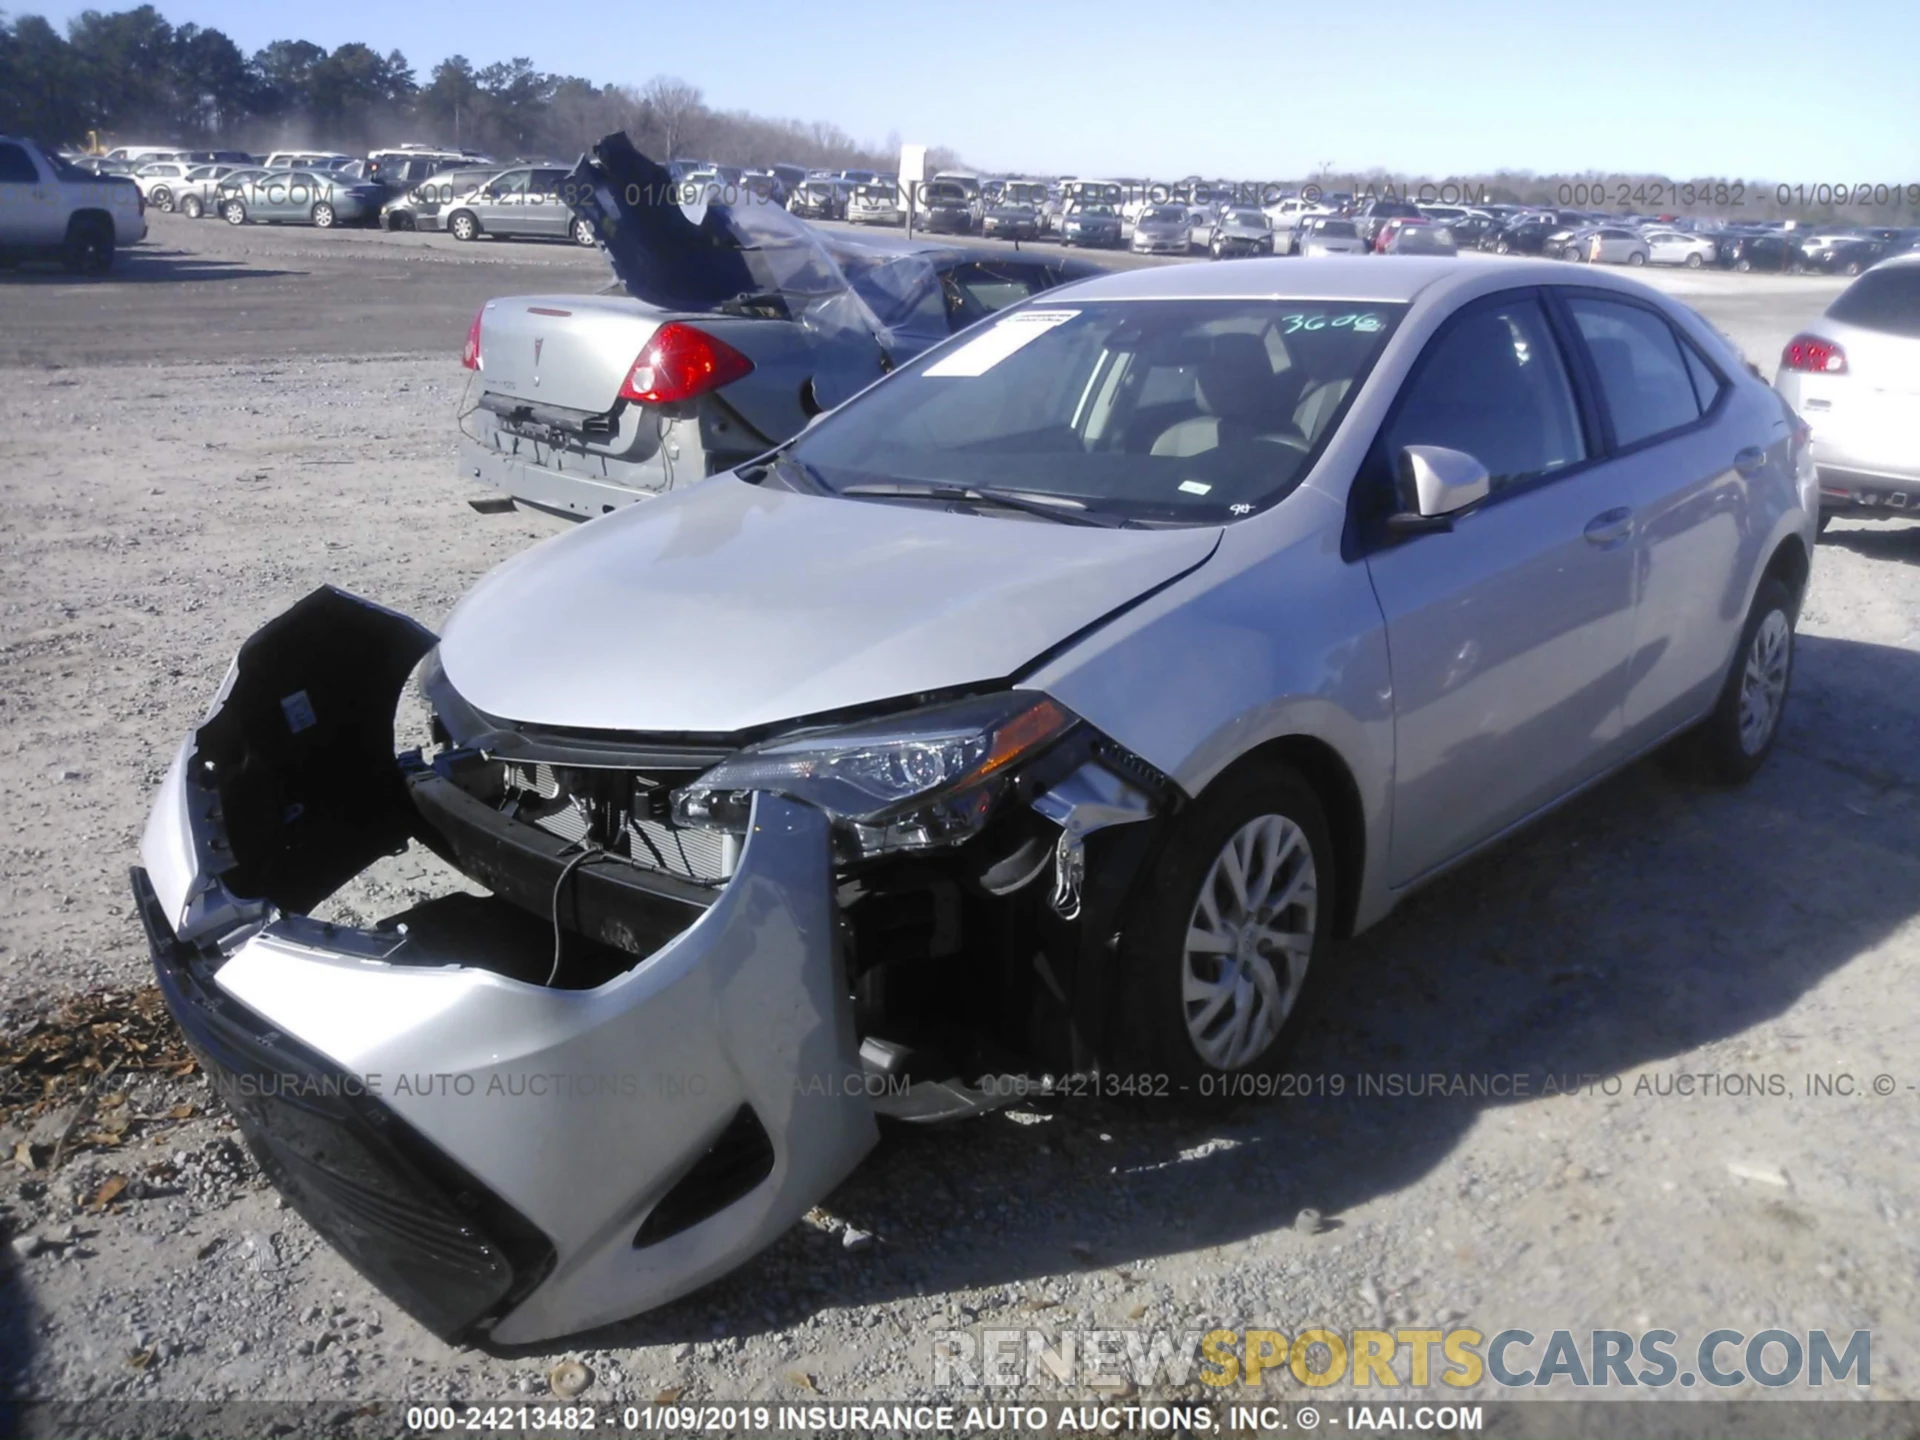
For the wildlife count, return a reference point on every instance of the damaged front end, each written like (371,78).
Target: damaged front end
(702,970)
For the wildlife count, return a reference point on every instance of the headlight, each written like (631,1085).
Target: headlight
(910,782)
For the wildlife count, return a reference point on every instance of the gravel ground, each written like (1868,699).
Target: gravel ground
(161,505)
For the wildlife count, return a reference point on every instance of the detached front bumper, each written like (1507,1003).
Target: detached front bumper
(501,1156)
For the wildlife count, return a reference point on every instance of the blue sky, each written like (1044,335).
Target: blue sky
(1252,89)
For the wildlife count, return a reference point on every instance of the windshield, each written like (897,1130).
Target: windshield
(1336,229)
(1169,215)
(1093,210)
(1256,218)
(1164,411)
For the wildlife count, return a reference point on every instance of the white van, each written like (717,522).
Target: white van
(141,154)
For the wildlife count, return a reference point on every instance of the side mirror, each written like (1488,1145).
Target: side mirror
(1435,485)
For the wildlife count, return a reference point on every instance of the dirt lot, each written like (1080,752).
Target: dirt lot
(240,416)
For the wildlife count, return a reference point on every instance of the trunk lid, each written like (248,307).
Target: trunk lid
(569,351)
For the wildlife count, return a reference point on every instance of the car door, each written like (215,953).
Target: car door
(502,203)
(271,196)
(1675,460)
(543,212)
(32,214)
(1508,633)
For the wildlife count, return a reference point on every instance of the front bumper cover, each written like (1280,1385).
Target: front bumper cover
(501,1156)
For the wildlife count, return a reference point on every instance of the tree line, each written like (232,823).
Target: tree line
(132,77)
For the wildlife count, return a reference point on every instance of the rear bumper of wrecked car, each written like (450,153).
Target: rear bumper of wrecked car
(501,1157)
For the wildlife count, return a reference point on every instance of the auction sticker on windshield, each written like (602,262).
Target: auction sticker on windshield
(1014,333)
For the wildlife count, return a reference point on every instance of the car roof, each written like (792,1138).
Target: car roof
(1333,278)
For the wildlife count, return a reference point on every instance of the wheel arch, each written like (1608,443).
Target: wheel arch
(1791,565)
(1334,785)
(90,215)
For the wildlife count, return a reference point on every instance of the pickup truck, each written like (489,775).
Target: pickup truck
(52,209)
(728,328)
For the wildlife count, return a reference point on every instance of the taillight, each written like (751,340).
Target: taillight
(681,362)
(1811,353)
(470,352)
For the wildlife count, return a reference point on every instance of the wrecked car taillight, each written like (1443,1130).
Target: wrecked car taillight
(680,363)
(470,352)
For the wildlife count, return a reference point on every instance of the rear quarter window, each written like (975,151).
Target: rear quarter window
(1886,300)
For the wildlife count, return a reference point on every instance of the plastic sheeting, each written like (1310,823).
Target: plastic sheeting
(738,248)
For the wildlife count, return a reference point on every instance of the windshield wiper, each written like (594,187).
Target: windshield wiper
(1060,508)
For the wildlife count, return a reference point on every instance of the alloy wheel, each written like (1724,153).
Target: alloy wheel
(1249,942)
(1763,683)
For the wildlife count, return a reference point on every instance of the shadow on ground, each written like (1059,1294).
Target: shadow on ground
(1648,918)
(143,266)
(1879,540)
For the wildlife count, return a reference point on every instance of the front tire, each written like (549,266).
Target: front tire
(583,233)
(1636,258)
(463,226)
(193,207)
(1238,923)
(1743,265)
(162,198)
(88,248)
(1694,262)
(1732,743)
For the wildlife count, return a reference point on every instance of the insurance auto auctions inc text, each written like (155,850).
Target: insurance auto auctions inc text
(1365,1359)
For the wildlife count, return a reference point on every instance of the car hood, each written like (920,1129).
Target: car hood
(730,606)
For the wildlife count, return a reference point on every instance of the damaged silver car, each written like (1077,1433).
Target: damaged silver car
(1056,707)
(730,326)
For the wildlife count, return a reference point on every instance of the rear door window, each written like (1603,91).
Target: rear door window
(1644,378)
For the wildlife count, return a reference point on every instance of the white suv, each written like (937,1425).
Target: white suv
(1855,380)
(52,209)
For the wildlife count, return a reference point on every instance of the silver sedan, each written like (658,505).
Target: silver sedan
(310,197)
(1159,635)
(1162,230)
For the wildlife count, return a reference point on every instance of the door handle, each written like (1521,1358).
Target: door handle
(1749,460)
(1609,527)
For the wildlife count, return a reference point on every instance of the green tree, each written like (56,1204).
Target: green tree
(123,68)
(284,71)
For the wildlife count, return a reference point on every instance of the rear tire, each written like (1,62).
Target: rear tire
(1500,247)
(1852,267)
(324,217)
(1743,265)
(583,233)
(1694,262)
(162,198)
(88,247)
(1636,258)
(234,213)
(1233,936)
(193,207)
(1731,744)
